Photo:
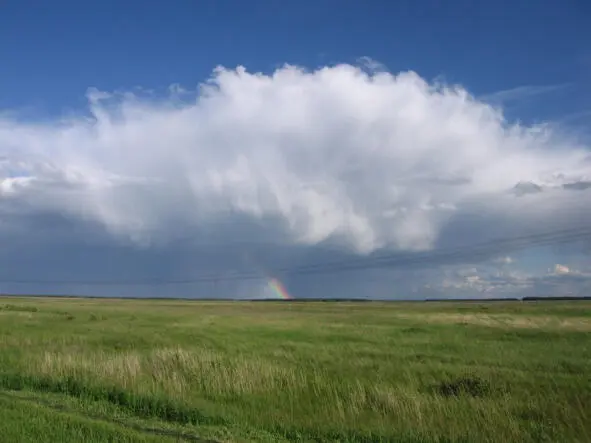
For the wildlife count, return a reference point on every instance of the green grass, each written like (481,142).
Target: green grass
(29,420)
(140,370)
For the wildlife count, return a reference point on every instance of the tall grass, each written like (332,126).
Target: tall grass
(376,372)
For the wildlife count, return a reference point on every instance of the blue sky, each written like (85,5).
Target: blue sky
(53,52)
(368,161)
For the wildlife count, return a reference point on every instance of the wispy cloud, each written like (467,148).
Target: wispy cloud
(372,65)
(526,92)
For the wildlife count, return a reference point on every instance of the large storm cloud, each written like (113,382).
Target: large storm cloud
(254,171)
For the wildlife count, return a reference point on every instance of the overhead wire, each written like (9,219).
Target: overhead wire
(473,252)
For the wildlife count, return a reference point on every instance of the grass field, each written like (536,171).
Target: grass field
(140,370)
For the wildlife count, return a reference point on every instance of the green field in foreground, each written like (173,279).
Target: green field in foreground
(141,370)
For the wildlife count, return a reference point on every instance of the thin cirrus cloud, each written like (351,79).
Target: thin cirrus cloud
(296,160)
(526,92)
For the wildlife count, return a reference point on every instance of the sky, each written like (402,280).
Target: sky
(373,149)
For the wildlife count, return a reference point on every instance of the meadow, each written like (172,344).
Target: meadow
(167,370)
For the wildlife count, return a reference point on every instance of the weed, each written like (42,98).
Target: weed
(18,308)
(471,386)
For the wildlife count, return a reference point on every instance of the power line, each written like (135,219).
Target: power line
(391,260)
(479,250)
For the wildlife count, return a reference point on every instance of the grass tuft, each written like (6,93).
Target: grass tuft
(471,386)
(17,308)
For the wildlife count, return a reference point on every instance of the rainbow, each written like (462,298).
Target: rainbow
(278,288)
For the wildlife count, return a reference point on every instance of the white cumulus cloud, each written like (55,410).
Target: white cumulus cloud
(338,155)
